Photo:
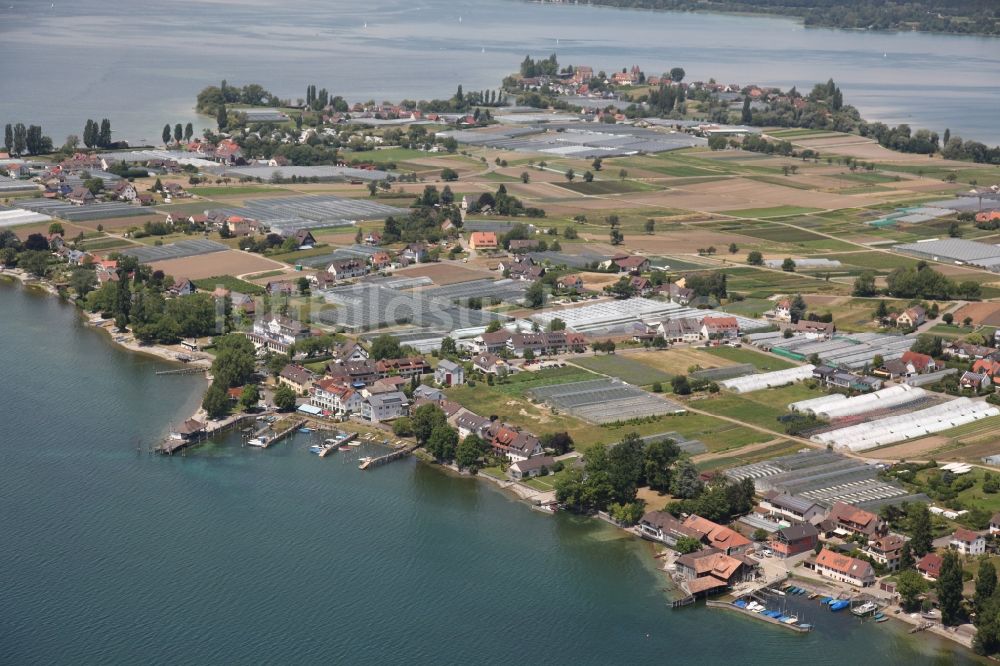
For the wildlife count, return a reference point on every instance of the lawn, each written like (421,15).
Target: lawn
(717,435)
(265,274)
(105,244)
(748,307)
(623,367)
(782,448)
(761,361)
(229,282)
(774,211)
(760,408)
(679,360)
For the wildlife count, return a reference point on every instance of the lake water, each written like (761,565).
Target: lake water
(142,63)
(237,556)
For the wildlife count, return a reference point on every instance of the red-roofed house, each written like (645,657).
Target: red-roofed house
(713,328)
(718,536)
(483,240)
(967,542)
(929,566)
(853,520)
(844,568)
(921,362)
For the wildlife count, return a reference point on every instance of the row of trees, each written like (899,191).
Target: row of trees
(21,140)
(180,132)
(97,135)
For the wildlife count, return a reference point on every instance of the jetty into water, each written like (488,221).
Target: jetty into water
(377,461)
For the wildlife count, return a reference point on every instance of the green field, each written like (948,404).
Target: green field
(760,408)
(105,244)
(717,435)
(229,282)
(868,177)
(774,211)
(782,448)
(235,190)
(763,362)
(605,186)
(624,368)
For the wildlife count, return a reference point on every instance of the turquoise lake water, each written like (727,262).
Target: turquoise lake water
(237,556)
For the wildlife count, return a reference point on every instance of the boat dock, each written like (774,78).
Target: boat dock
(264,442)
(172,445)
(377,461)
(193,370)
(797,628)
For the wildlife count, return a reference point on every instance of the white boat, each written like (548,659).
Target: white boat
(867,608)
(259,442)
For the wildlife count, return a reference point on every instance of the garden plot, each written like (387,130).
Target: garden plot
(605,401)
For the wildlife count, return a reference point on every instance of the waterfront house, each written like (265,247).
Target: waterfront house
(665,528)
(382,407)
(929,566)
(470,423)
(187,430)
(887,550)
(718,536)
(526,469)
(335,398)
(775,506)
(967,542)
(449,373)
(709,570)
(793,540)
(846,519)
(844,568)
(512,443)
(296,377)
(277,333)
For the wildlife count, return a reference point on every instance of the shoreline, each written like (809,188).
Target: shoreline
(513,489)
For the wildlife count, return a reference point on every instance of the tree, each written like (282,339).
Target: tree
(56,228)
(686,483)
(104,137)
(166,134)
(687,545)
(616,237)
(622,174)
(986,582)
(222,118)
(449,175)
(677,74)
(755,258)
(442,442)
(83,281)
(746,115)
(525,177)
(625,464)
(928,344)
(469,453)
(650,225)
(534,296)
(906,560)
(402,427)
(659,458)
(918,520)
(235,360)
(797,308)
(250,397)
(788,265)
(597,163)
(558,442)
(681,385)
(425,419)
(385,346)
(8,138)
(910,586)
(35,262)
(949,589)
(733,248)
(864,284)
(216,403)
(284,398)
(178,132)
(20,139)
(188,131)
(948,318)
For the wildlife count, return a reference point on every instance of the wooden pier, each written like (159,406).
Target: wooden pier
(387,458)
(194,370)
(770,620)
(284,433)
(686,601)
(170,446)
